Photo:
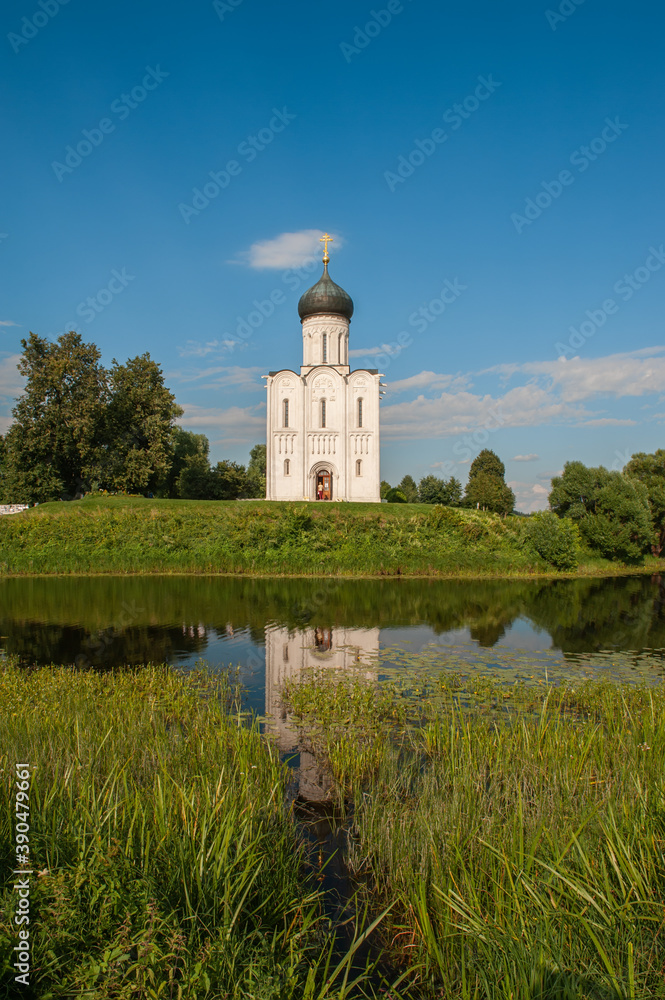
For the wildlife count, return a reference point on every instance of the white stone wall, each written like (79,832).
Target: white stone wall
(336,348)
(13,508)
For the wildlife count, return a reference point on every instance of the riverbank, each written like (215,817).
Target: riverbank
(508,839)
(127,535)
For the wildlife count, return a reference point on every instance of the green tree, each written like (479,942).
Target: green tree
(650,470)
(612,510)
(194,481)
(486,488)
(409,489)
(395,496)
(184,445)
(140,417)
(385,489)
(448,492)
(56,446)
(197,481)
(555,539)
(255,485)
(487,491)
(488,462)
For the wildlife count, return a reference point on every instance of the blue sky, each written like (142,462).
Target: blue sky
(492,175)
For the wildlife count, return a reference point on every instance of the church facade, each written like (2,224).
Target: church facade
(323,422)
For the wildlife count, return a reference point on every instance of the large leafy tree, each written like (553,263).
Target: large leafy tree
(140,422)
(409,489)
(184,445)
(255,485)
(197,481)
(448,492)
(650,470)
(486,488)
(56,445)
(487,461)
(612,510)
(489,492)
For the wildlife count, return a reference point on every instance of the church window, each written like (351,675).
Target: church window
(286,413)
(323,413)
(359,467)
(360,413)
(287,467)
(325,348)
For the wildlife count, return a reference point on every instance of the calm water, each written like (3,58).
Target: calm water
(273,628)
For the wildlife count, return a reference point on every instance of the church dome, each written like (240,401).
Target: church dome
(325,297)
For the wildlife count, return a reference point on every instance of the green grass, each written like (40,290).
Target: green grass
(523,849)
(166,863)
(136,535)
(509,840)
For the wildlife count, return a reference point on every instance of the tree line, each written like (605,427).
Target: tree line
(486,489)
(80,427)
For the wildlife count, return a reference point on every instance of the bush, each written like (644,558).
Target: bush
(395,496)
(555,540)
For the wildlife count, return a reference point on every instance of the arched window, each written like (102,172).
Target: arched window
(359,467)
(360,413)
(286,413)
(323,413)
(287,467)
(325,348)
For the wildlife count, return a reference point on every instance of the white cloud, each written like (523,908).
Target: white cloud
(11,383)
(238,424)
(370,352)
(465,412)
(530,497)
(286,250)
(608,422)
(197,349)
(634,373)
(429,380)
(220,377)
(525,458)
(8,322)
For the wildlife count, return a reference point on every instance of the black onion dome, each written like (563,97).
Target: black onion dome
(325,297)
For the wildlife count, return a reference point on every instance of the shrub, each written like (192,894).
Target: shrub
(555,540)
(395,496)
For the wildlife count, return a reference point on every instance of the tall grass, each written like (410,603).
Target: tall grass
(168,865)
(141,536)
(524,851)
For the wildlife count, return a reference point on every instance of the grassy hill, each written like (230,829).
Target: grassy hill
(137,535)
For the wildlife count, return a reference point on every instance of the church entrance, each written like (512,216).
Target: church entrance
(324,485)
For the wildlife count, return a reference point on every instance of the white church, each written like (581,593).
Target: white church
(323,422)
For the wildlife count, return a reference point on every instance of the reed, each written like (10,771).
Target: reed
(522,846)
(168,863)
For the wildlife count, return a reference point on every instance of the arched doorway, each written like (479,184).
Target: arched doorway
(324,481)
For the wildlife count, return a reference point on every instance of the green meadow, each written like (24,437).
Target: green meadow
(137,535)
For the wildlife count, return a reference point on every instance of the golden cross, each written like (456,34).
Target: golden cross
(326,240)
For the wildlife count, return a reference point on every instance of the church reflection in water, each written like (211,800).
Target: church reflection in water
(291,654)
